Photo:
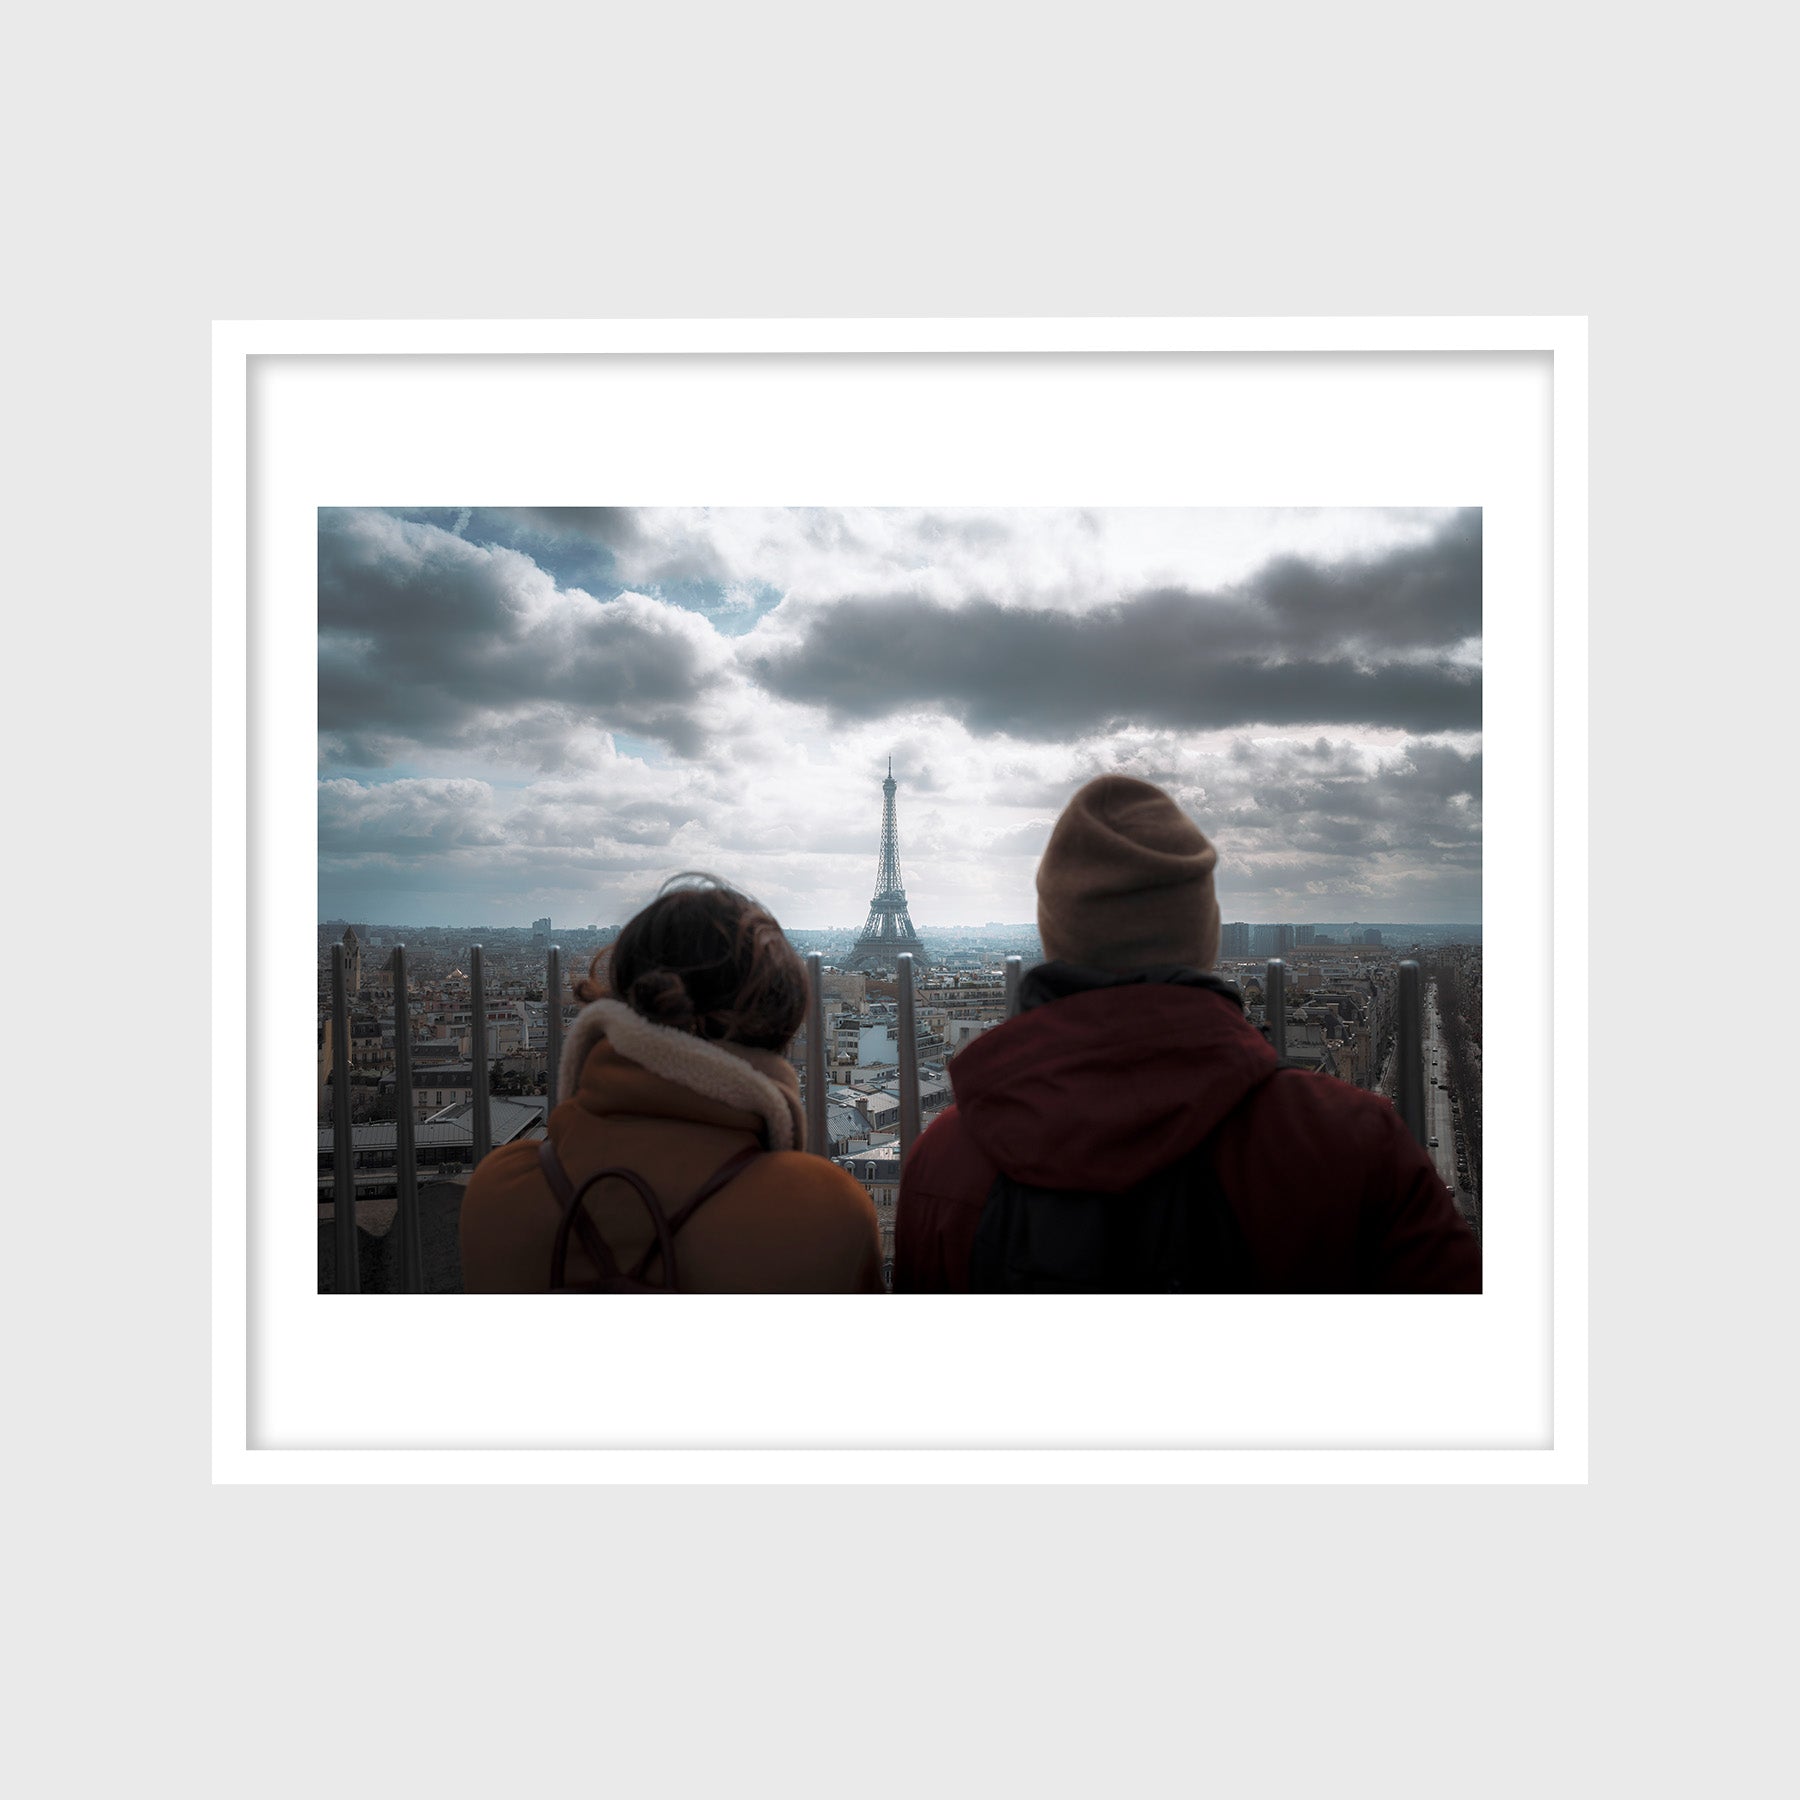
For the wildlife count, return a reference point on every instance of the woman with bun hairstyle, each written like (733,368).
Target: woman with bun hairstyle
(673,1077)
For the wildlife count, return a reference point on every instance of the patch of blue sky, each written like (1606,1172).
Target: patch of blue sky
(572,558)
(369,773)
(372,775)
(640,749)
(732,610)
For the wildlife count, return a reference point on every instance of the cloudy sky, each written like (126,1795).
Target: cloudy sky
(530,710)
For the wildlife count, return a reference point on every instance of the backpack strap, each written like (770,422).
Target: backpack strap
(575,1218)
(550,1165)
(726,1172)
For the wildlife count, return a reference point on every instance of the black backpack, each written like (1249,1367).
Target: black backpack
(1173,1233)
(575,1218)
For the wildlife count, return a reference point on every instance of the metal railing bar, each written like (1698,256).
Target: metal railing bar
(1409,1052)
(480,1118)
(1275,1004)
(343,1184)
(412,1260)
(909,1056)
(1015,969)
(817,1139)
(553,993)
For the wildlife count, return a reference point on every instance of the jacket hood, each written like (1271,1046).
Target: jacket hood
(695,1079)
(1103,1080)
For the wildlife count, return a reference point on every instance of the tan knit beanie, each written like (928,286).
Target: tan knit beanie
(1126,882)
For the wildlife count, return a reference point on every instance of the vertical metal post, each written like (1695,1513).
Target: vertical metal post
(412,1260)
(1275,1004)
(1015,969)
(909,1056)
(553,1020)
(479,1117)
(343,1160)
(817,1139)
(1409,1052)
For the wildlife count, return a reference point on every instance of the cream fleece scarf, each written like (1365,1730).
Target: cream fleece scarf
(733,1074)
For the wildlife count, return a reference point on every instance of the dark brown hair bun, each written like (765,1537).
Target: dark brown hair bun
(662,997)
(704,958)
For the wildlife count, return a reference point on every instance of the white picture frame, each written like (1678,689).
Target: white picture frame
(1293,1389)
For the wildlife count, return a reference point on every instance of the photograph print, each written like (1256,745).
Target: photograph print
(899,900)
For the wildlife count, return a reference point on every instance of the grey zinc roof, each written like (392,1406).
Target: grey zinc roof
(882,1155)
(506,1118)
(454,1125)
(381,1137)
(844,1122)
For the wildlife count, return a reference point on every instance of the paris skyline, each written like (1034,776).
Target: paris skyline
(528,710)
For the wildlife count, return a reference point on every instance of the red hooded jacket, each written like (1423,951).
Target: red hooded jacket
(1100,1089)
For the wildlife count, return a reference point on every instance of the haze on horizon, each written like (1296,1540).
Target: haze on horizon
(528,711)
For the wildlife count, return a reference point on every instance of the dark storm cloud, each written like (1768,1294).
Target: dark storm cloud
(1368,643)
(425,638)
(612,526)
(1419,594)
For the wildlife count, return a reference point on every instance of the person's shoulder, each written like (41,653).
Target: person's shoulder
(817,1178)
(505,1208)
(823,1206)
(947,1172)
(1315,1092)
(504,1169)
(1304,1100)
(946,1136)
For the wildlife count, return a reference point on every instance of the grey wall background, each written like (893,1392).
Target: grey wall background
(192,163)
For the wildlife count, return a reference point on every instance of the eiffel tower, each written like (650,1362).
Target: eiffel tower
(890,928)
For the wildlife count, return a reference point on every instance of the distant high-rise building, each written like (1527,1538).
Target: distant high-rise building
(540,931)
(1234,939)
(1372,935)
(1271,940)
(1303,936)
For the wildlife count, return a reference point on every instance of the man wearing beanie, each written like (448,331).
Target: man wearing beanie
(1130,1130)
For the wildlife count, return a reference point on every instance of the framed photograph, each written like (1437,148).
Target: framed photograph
(515,622)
